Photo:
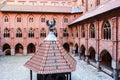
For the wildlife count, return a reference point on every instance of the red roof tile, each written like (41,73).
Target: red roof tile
(38,8)
(51,58)
(113,4)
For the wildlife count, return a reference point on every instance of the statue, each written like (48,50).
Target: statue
(51,25)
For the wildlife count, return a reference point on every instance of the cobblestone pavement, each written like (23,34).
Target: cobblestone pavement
(12,68)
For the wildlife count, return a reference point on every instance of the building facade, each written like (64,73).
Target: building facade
(23,24)
(95,36)
(92,35)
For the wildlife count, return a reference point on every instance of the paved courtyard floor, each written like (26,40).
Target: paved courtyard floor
(12,68)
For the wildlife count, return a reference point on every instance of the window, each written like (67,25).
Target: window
(106,31)
(42,19)
(18,19)
(65,20)
(31,33)
(76,32)
(30,19)
(83,31)
(42,33)
(92,31)
(65,33)
(6,33)
(19,33)
(6,19)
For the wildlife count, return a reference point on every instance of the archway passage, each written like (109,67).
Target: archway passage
(6,49)
(76,49)
(106,59)
(82,54)
(92,54)
(19,49)
(66,47)
(31,48)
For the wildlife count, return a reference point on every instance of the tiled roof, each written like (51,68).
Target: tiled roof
(51,58)
(113,4)
(38,8)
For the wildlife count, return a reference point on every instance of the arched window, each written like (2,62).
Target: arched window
(42,19)
(6,33)
(106,31)
(18,19)
(6,19)
(19,33)
(31,33)
(92,31)
(65,20)
(30,19)
(43,33)
(83,31)
(65,33)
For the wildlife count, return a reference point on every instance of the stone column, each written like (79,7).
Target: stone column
(12,52)
(79,53)
(25,51)
(98,59)
(71,49)
(115,70)
(86,57)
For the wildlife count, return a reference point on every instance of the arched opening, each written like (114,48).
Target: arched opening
(92,31)
(66,47)
(6,49)
(31,48)
(19,49)
(106,30)
(76,49)
(92,54)
(106,59)
(82,54)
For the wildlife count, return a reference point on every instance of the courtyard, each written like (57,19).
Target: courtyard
(12,68)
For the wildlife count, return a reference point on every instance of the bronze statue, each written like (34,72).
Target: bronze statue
(51,25)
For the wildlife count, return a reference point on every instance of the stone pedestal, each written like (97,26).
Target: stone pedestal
(12,52)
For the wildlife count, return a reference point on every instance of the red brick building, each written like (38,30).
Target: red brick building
(93,34)
(23,23)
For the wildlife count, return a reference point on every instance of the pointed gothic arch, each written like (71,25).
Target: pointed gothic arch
(19,48)
(6,49)
(31,48)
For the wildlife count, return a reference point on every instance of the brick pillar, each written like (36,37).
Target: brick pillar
(12,52)
(115,70)
(98,59)
(71,49)
(86,57)
(25,51)
(114,28)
